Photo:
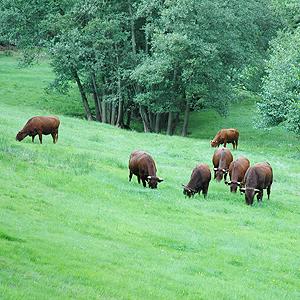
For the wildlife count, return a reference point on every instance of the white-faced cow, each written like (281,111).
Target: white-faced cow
(257,178)
(142,165)
(199,181)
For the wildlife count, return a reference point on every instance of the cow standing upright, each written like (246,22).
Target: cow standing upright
(199,181)
(224,136)
(38,126)
(237,170)
(257,178)
(142,165)
(221,161)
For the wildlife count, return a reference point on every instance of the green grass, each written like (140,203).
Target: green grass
(73,227)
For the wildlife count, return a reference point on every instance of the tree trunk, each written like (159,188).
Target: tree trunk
(96,99)
(128,118)
(175,122)
(151,120)
(186,119)
(133,40)
(104,112)
(144,119)
(157,122)
(83,96)
(169,127)
(113,114)
(120,120)
(108,112)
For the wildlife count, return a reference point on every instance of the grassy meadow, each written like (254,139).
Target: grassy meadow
(73,227)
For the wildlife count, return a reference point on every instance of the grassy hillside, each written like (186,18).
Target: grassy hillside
(72,226)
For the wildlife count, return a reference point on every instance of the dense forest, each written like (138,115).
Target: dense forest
(155,61)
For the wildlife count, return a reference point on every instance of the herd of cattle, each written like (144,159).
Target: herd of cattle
(251,180)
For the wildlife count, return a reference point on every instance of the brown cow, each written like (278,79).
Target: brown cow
(257,178)
(221,161)
(39,126)
(225,136)
(142,165)
(237,170)
(200,179)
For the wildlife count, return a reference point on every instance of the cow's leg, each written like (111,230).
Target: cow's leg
(225,141)
(139,179)
(32,138)
(269,191)
(53,137)
(236,144)
(259,196)
(144,182)
(204,191)
(40,137)
(233,144)
(130,175)
(56,137)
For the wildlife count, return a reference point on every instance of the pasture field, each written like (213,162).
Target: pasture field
(73,227)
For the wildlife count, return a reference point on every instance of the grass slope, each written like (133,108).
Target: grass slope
(72,226)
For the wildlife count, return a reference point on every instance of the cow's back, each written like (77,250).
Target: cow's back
(47,124)
(140,162)
(259,175)
(223,154)
(238,168)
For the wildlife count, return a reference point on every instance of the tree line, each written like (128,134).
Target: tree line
(154,61)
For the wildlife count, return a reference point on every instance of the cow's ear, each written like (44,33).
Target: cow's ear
(159,179)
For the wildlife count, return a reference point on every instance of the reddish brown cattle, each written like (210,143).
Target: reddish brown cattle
(225,136)
(39,126)
(257,178)
(221,161)
(142,165)
(199,181)
(237,170)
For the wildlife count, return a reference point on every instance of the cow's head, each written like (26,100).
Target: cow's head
(219,172)
(187,191)
(249,194)
(214,143)
(233,185)
(153,181)
(20,136)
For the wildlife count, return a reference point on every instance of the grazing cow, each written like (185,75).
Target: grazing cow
(257,178)
(39,126)
(221,161)
(199,181)
(237,170)
(142,165)
(225,136)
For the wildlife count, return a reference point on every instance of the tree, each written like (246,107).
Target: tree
(155,59)
(197,50)
(281,87)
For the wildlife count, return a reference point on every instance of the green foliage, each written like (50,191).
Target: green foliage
(206,44)
(160,55)
(281,89)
